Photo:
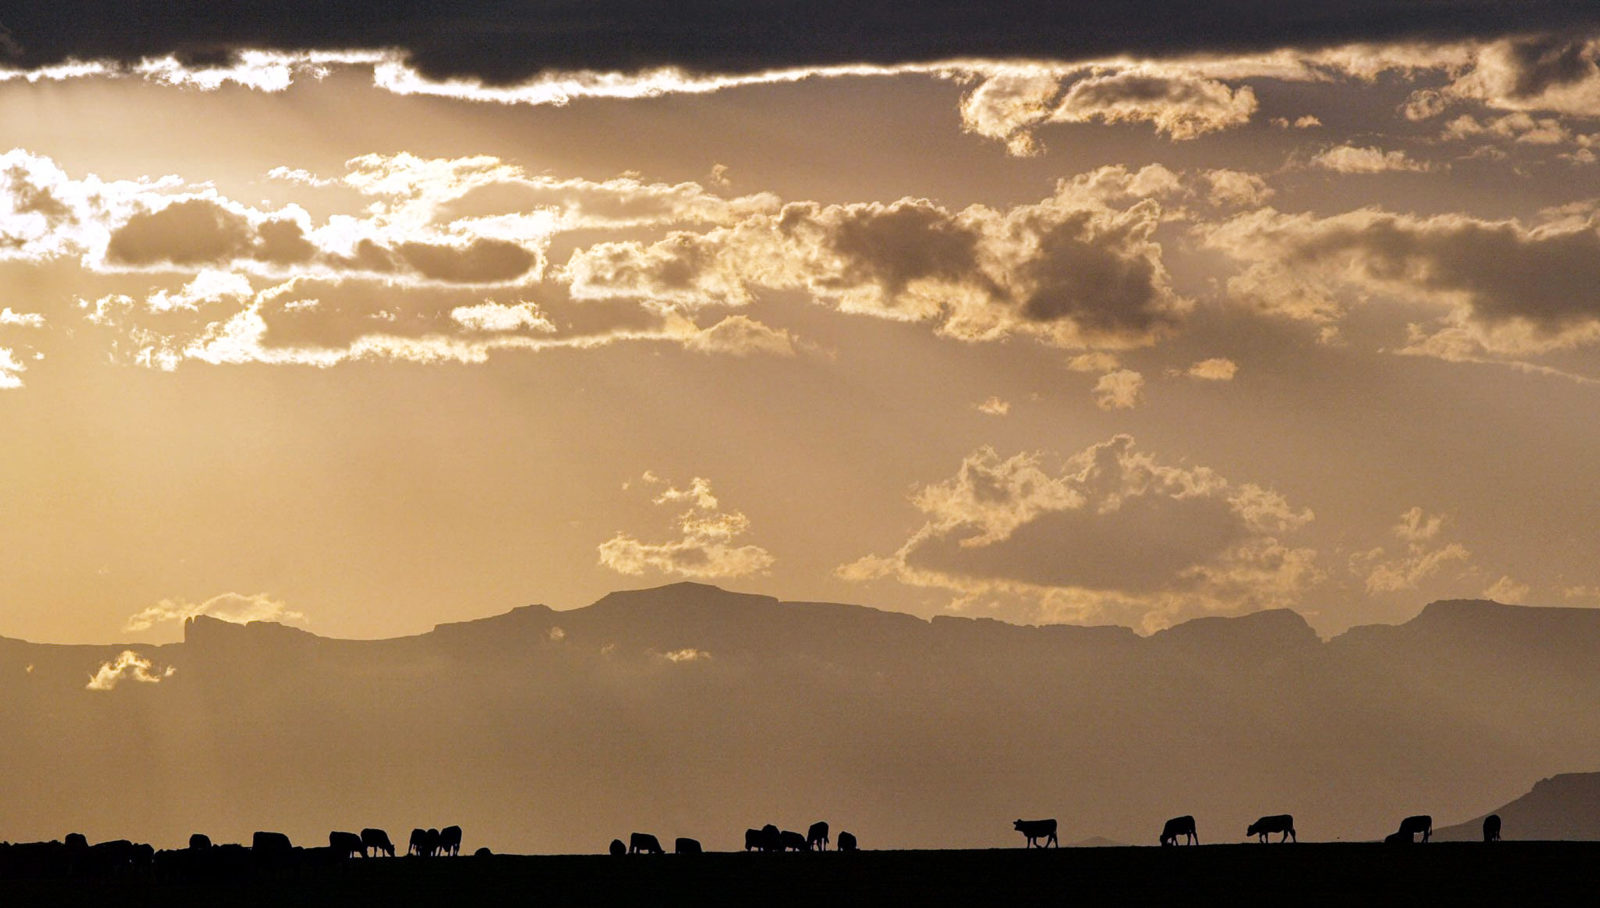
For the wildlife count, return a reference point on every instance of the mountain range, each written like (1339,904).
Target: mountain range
(687,710)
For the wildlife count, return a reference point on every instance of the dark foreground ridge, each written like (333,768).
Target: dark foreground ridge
(1508,873)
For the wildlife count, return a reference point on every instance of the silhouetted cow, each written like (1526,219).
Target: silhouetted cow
(450,840)
(644,843)
(617,848)
(199,842)
(1282,822)
(424,842)
(345,844)
(793,841)
(1036,830)
(771,838)
(753,840)
(376,840)
(271,844)
(1410,826)
(76,840)
(686,846)
(1398,838)
(1179,826)
(484,852)
(847,842)
(1491,828)
(817,836)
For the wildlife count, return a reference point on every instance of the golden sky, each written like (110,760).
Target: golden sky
(350,341)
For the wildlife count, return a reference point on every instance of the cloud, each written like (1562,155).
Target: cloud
(232,607)
(11,370)
(1077,269)
(687,654)
(1214,369)
(1504,288)
(1119,390)
(993,406)
(704,548)
(740,335)
(492,317)
(1114,533)
(129,666)
(1421,559)
(1235,188)
(479,40)
(1365,159)
(1507,590)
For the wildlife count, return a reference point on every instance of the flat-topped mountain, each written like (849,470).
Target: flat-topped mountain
(690,710)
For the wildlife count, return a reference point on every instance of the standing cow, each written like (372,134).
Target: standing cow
(1491,828)
(817,836)
(1036,830)
(1179,826)
(1282,822)
(344,844)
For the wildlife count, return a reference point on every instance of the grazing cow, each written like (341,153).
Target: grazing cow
(199,842)
(376,840)
(1036,830)
(1179,826)
(345,844)
(753,840)
(644,843)
(450,840)
(424,842)
(76,840)
(686,846)
(1410,826)
(483,852)
(817,836)
(793,841)
(617,848)
(1491,828)
(771,838)
(1282,822)
(847,842)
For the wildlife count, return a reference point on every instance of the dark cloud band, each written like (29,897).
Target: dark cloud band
(501,41)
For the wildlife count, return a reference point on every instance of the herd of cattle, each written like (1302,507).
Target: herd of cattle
(76,857)
(768,838)
(1042,833)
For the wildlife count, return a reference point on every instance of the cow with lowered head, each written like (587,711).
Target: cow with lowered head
(450,841)
(1411,826)
(847,841)
(1282,822)
(817,836)
(376,840)
(1035,830)
(345,844)
(644,843)
(1179,826)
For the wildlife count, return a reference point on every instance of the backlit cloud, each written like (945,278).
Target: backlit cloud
(704,548)
(1112,532)
(129,666)
(231,607)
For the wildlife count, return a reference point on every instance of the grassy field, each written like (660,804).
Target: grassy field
(1507,873)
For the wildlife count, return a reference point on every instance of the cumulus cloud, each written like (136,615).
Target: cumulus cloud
(704,548)
(1214,369)
(1507,590)
(1422,557)
(993,406)
(231,607)
(1119,390)
(1365,159)
(1113,533)
(1075,270)
(1505,288)
(129,666)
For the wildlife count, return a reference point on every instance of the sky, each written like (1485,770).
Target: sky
(366,319)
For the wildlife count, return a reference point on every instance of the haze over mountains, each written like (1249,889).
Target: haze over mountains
(688,710)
